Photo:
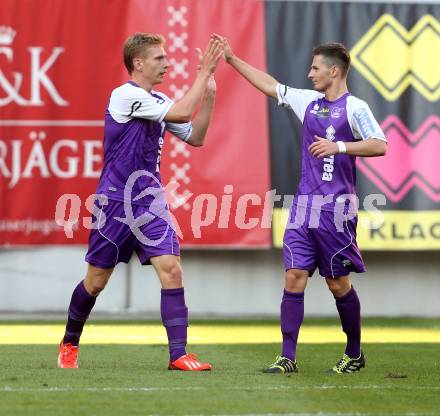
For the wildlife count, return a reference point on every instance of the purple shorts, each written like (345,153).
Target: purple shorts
(113,241)
(331,247)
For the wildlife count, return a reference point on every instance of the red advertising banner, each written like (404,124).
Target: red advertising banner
(59,62)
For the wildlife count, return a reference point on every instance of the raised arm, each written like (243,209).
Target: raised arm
(201,122)
(182,110)
(259,79)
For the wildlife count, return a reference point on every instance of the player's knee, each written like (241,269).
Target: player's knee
(172,276)
(96,280)
(337,287)
(295,280)
(95,285)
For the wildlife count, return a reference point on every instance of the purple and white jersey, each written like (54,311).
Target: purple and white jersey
(133,139)
(346,119)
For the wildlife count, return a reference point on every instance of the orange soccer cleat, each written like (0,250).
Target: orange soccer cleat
(189,362)
(68,356)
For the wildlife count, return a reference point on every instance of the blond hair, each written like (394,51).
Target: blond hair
(136,46)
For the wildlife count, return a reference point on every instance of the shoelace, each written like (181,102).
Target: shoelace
(343,362)
(193,357)
(278,361)
(68,355)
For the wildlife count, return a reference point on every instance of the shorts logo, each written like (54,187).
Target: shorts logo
(346,262)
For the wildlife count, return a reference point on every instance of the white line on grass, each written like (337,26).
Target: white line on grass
(318,414)
(95,389)
(189,388)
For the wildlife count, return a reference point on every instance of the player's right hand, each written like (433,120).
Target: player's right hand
(227,50)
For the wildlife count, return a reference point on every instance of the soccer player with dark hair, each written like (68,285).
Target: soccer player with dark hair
(135,123)
(321,232)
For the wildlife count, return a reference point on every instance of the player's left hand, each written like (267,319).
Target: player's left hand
(210,58)
(211,87)
(323,147)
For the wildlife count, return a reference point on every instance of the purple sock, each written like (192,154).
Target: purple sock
(292,315)
(79,309)
(175,320)
(349,309)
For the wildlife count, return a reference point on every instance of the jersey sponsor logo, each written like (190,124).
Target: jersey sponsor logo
(328,167)
(392,58)
(320,112)
(329,161)
(159,151)
(323,112)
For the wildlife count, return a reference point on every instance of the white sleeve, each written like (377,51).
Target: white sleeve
(296,99)
(129,101)
(362,122)
(181,130)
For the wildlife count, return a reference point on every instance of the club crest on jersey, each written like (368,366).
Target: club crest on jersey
(336,112)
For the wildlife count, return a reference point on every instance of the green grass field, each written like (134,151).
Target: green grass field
(401,378)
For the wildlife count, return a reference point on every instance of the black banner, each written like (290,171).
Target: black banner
(395,69)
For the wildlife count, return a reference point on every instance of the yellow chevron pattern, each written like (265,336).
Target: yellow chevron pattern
(392,58)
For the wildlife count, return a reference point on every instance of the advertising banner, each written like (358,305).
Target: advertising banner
(395,70)
(59,62)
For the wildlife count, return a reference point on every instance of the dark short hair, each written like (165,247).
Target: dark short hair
(335,54)
(136,46)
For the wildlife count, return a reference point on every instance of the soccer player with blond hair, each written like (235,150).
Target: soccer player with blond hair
(136,119)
